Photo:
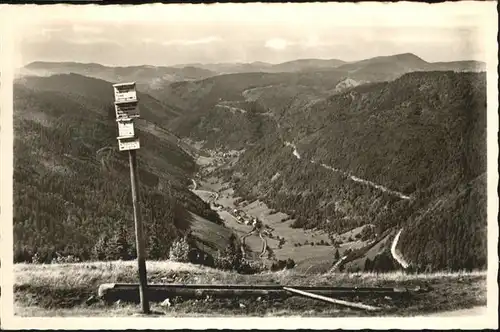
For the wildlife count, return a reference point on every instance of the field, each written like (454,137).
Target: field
(65,290)
(297,246)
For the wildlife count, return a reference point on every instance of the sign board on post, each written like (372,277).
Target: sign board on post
(126,111)
(125,92)
(125,129)
(128,144)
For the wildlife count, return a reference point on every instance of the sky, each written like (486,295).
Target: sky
(166,35)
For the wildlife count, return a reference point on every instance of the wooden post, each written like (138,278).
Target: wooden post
(139,235)
(126,111)
(331,300)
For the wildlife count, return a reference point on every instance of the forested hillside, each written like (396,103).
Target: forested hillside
(98,94)
(287,93)
(422,135)
(72,185)
(221,128)
(396,142)
(451,231)
(406,134)
(208,102)
(203,94)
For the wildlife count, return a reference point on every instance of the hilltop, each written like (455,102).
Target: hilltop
(259,66)
(145,76)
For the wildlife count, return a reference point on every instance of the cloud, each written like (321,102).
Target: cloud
(277,44)
(206,40)
(225,35)
(86,29)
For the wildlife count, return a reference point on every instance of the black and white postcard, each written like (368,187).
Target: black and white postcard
(319,165)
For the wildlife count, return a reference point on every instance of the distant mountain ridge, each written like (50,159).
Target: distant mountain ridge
(202,70)
(392,66)
(259,66)
(145,76)
(181,86)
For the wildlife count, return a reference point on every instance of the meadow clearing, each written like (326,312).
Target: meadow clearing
(65,290)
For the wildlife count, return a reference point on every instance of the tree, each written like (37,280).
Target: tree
(368,264)
(179,251)
(230,258)
(119,245)
(99,251)
(337,255)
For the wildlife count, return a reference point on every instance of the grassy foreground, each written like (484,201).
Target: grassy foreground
(63,289)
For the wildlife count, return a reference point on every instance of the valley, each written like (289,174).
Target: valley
(311,250)
(314,154)
(309,172)
(347,161)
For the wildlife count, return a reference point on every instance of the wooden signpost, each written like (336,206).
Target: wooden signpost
(126,110)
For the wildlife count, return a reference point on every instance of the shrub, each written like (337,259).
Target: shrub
(230,258)
(118,247)
(270,253)
(61,259)
(99,249)
(367,233)
(282,264)
(179,251)
(250,267)
(290,263)
(36,259)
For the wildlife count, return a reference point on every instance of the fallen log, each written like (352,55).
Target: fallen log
(159,292)
(331,300)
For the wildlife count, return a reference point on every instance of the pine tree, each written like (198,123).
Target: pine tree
(179,251)
(231,257)
(123,244)
(100,248)
(368,264)
(155,250)
(113,248)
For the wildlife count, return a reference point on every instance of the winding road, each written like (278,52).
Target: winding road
(214,197)
(232,109)
(297,155)
(337,264)
(352,177)
(395,254)
(252,232)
